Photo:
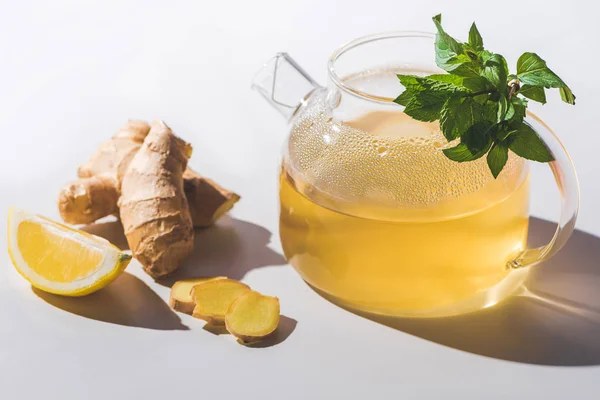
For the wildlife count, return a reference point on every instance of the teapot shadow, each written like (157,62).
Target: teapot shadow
(230,248)
(127,301)
(555,321)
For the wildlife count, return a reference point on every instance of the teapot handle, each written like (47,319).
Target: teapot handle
(568,186)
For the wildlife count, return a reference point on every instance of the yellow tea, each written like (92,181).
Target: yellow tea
(373,214)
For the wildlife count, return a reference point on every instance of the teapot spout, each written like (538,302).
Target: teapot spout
(284,84)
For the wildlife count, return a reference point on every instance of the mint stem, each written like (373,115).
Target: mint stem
(478,93)
(514,87)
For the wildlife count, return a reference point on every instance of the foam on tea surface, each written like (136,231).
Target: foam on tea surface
(392,163)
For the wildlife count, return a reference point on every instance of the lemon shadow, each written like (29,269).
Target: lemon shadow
(127,301)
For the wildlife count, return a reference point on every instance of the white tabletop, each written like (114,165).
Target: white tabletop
(73,71)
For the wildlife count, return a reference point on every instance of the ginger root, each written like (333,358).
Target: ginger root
(153,207)
(213,298)
(252,317)
(86,200)
(181,294)
(94,195)
(113,156)
(208,201)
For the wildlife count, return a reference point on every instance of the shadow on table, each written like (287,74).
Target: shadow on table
(126,301)
(111,231)
(284,330)
(230,248)
(558,323)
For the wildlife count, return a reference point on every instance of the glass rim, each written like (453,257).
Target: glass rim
(335,78)
(339,82)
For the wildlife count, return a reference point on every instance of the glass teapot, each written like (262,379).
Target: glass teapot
(373,215)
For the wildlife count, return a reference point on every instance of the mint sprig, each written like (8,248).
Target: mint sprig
(479,102)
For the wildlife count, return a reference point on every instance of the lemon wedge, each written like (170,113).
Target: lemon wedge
(58,259)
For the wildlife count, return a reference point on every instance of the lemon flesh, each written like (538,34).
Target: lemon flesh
(59,259)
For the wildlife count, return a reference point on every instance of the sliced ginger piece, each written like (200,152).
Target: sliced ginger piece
(213,298)
(252,317)
(181,293)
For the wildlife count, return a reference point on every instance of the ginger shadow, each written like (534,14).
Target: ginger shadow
(283,331)
(127,301)
(555,322)
(230,248)
(286,326)
(111,230)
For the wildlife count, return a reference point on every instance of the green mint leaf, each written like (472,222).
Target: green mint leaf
(474,102)
(412,86)
(515,111)
(458,115)
(489,111)
(488,55)
(520,107)
(468,113)
(445,43)
(450,54)
(448,119)
(502,108)
(476,84)
(475,39)
(410,82)
(477,137)
(505,133)
(405,97)
(527,144)
(461,153)
(532,70)
(497,157)
(438,83)
(485,55)
(426,106)
(510,112)
(446,78)
(567,95)
(535,93)
(461,65)
(495,72)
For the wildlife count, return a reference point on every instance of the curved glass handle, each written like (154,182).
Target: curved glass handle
(566,180)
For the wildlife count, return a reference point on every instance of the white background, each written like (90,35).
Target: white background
(72,72)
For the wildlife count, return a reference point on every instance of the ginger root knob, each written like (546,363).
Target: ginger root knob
(153,207)
(88,199)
